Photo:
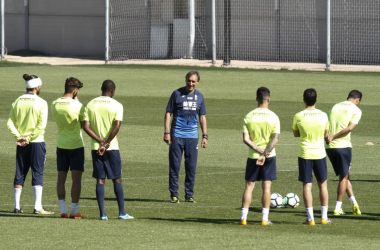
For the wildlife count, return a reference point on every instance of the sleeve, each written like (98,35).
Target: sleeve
(245,125)
(119,113)
(295,126)
(81,113)
(276,128)
(41,123)
(11,124)
(84,113)
(171,103)
(356,116)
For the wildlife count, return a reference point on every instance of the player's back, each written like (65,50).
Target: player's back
(67,115)
(312,124)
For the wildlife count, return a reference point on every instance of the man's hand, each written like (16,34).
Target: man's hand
(22,142)
(260,161)
(204,143)
(329,138)
(167,139)
(101,150)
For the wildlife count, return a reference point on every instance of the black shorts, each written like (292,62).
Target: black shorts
(31,156)
(307,167)
(70,159)
(267,172)
(108,165)
(340,159)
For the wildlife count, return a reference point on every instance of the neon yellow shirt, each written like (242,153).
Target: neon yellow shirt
(340,116)
(261,124)
(102,112)
(28,118)
(67,115)
(312,124)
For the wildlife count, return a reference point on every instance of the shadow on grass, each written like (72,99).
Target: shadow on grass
(360,180)
(198,220)
(26,215)
(126,199)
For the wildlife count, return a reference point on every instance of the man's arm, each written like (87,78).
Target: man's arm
(272,145)
(167,137)
(344,132)
(87,128)
(249,143)
(107,142)
(203,122)
(296,133)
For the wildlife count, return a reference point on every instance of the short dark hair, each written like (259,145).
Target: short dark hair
(108,85)
(262,94)
(355,94)
(193,72)
(71,84)
(310,97)
(27,78)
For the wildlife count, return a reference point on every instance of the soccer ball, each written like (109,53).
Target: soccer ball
(291,200)
(275,200)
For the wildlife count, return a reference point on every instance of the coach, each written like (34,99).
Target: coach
(186,104)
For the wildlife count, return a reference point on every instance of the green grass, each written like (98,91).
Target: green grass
(211,223)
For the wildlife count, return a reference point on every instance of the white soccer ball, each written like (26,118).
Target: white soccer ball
(275,200)
(291,200)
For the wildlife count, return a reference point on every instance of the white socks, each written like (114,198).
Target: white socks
(310,213)
(324,212)
(265,212)
(62,205)
(353,200)
(37,197)
(17,194)
(74,208)
(338,205)
(244,213)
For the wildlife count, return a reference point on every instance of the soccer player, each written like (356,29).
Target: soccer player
(187,105)
(70,151)
(311,125)
(27,123)
(102,120)
(343,118)
(261,130)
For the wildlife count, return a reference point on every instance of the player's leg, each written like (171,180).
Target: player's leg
(61,192)
(77,169)
(267,174)
(246,201)
(265,200)
(305,168)
(251,175)
(335,157)
(22,169)
(100,193)
(100,175)
(38,157)
(350,193)
(191,156)
(62,168)
(320,172)
(175,158)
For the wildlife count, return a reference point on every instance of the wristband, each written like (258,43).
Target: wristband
(205,136)
(165,133)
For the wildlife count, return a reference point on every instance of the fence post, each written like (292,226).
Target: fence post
(277,13)
(2,29)
(106,31)
(213,32)
(328,38)
(192,27)
(227,33)
(26,17)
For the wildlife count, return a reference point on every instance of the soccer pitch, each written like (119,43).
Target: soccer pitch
(212,222)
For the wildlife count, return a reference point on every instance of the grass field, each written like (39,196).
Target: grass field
(212,222)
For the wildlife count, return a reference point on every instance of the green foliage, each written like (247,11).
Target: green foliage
(213,221)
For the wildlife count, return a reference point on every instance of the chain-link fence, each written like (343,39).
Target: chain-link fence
(253,30)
